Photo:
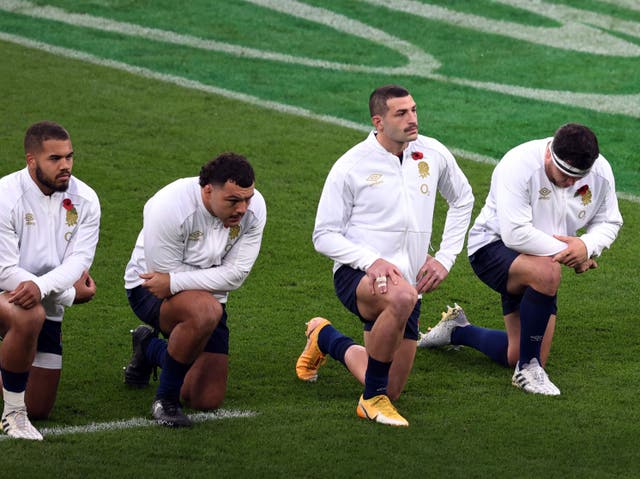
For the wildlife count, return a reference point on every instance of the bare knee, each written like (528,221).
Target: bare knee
(38,412)
(205,316)
(538,272)
(547,281)
(203,397)
(30,321)
(552,280)
(205,402)
(205,384)
(402,300)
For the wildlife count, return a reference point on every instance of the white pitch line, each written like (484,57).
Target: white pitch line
(419,62)
(137,422)
(575,31)
(230,94)
(180,81)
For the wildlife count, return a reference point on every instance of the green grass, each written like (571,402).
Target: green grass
(133,135)
(461,117)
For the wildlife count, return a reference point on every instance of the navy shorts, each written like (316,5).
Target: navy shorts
(346,280)
(50,338)
(491,264)
(147,307)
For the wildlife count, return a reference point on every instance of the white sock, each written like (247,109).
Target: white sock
(12,401)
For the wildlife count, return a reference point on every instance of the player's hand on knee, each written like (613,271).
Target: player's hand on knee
(379,273)
(574,254)
(26,295)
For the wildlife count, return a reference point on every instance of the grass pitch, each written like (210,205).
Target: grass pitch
(133,135)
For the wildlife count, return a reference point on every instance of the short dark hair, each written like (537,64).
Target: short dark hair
(40,132)
(576,144)
(227,167)
(379,96)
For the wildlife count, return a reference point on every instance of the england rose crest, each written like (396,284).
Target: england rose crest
(585,193)
(72,213)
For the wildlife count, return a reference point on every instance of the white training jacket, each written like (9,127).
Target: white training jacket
(44,242)
(180,237)
(525,210)
(372,206)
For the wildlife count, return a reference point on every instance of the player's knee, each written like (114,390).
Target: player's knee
(39,410)
(205,401)
(554,275)
(38,414)
(403,300)
(550,280)
(30,321)
(205,316)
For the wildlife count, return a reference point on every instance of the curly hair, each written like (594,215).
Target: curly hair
(227,167)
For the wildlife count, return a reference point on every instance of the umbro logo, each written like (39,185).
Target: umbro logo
(374,179)
(544,193)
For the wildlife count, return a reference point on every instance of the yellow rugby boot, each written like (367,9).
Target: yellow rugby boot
(311,358)
(379,409)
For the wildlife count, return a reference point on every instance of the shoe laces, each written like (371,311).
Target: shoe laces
(20,417)
(170,407)
(537,372)
(451,313)
(383,404)
(539,375)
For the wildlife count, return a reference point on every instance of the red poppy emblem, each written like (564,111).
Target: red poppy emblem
(582,190)
(417,155)
(67,204)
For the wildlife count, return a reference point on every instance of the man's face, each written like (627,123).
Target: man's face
(555,175)
(51,167)
(399,125)
(228,202)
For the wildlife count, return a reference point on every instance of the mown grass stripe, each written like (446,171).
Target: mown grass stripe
(249,99)
(420,63)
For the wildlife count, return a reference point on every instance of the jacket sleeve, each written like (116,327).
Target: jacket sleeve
(11,275)
(456,190)
(334,211)
(235,267)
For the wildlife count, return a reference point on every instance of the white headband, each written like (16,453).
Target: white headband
(566,168)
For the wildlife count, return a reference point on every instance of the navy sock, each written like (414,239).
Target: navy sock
(171,378)
(334,343)
(376,378)
(492,342)
(14,382)
(535,310)
(156,351)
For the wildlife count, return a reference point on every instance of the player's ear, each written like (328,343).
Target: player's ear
(208,190)
(30,159)
(377,122)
